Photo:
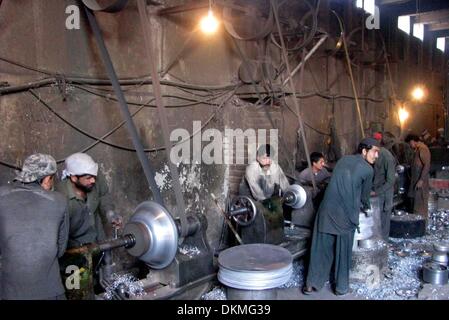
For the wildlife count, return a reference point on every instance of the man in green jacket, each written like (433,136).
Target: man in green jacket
(383,184)
(338,217)
(90,204)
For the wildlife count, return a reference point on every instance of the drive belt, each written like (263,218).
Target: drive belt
(180,205)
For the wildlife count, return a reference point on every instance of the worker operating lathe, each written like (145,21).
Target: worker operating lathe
(263,177)
(338,217)
(90,204)
(33,232)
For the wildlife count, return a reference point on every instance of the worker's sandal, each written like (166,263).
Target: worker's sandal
(307,290)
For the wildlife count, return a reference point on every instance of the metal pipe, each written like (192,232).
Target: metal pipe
(126,241)
(309,54)
(239,211)
(149,173)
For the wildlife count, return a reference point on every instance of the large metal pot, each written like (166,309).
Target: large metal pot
(435,273)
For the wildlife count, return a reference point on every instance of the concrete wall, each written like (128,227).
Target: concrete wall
(34,34)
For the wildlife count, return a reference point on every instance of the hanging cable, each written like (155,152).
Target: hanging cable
(348,60)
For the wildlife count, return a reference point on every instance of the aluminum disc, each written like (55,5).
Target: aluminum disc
(296,196)
(153,223)
(255,266)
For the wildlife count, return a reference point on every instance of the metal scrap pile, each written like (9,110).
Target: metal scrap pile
(297,278)
(189,250)
(439,220)
(125,283)
(402,280)
(216,293)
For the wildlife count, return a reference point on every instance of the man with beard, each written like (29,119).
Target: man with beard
(338,217)
(90,205)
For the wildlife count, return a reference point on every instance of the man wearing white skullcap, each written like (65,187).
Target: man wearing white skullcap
(90,205)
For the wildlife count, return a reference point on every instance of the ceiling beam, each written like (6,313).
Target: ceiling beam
(432,16)
(388,2)
(438,26)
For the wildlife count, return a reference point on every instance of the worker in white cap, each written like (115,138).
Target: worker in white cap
(90,205)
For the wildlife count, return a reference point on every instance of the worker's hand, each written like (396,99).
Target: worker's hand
(115,219)
(419,184)
(366,210)
(117,222)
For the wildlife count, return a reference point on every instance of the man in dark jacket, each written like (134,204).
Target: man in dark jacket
(383,184)
(419,182)
(33,232)
(338,217)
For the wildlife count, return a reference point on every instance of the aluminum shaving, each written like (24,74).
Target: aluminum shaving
(127,283)
(217,293)
(297,277)
(189,250)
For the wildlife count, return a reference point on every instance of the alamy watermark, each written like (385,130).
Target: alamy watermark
(72,22)
(226,147)
(373,20)
(72,282)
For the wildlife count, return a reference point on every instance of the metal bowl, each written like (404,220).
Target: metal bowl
(156,232)
(442,246)
(440,257)
(435,273)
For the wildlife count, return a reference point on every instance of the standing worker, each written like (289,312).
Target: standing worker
(383,184)
(338,217)
(33,233)
(90,204)
(419,184)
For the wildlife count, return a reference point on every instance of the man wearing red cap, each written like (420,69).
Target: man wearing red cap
(383,184)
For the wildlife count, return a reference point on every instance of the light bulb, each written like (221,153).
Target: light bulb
(403,115)
(418,93)
(209,24)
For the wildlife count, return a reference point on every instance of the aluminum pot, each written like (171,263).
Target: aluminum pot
(442,246)
(440,258)
(435,273)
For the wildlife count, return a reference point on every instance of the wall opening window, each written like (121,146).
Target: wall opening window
(418,31)
(404,23)
(441,43)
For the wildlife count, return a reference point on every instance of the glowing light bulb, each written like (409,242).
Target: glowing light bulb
(418,93)
(209,24)
(403,115)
